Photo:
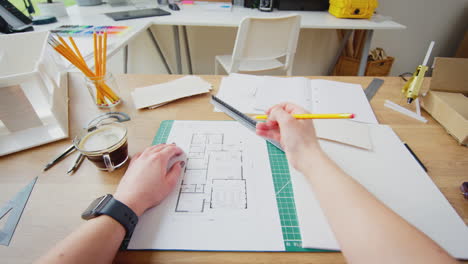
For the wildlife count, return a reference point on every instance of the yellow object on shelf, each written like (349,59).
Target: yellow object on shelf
(353,8)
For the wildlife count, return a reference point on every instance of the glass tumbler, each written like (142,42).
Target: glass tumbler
(104,90)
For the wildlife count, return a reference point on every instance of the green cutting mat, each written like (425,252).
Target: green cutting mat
(285,200)
(283,189)
(163,132)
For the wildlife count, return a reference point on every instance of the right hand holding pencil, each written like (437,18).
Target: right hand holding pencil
(297,137)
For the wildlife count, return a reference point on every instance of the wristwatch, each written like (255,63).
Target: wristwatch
(107,205)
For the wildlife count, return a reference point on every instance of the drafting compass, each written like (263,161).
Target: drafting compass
(13,209)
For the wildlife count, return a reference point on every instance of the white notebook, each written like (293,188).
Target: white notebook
(255,94)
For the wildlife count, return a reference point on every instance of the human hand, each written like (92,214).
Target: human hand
(147,181)
(297,137)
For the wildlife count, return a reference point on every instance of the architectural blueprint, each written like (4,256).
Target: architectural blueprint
(213,177)
(225,197)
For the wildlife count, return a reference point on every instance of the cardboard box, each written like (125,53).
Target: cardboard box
(462,51)
(447,100)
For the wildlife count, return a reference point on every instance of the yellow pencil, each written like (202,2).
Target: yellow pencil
(99,55)
(103,91)
(95,53)
(314,116)
(104,57)
(77,50)
(64,43)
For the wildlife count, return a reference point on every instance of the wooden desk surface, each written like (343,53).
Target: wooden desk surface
(58,199)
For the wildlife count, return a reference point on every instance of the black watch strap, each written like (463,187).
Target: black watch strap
(122,214)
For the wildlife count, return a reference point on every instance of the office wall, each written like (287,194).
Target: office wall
(426,20)
(442,21)
(314,53)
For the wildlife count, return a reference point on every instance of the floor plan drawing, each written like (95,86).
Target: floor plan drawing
(213,177)
(224,194)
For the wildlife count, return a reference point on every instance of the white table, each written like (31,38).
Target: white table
(193,15)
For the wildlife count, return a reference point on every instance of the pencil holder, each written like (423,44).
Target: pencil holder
(104,90)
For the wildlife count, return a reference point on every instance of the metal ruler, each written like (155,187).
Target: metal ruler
(372,89)
(240,117)
(14,209)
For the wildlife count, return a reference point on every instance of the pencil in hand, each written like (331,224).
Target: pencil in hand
(315,116)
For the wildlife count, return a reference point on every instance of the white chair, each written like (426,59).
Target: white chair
(260,43)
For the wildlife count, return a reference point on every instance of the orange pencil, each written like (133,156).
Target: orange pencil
(98,51)
(102,90)
(95,54)
(77,50)
(104,59)
(314,116)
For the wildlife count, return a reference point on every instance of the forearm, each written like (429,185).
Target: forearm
(145,184)
(367,230)
(96,241)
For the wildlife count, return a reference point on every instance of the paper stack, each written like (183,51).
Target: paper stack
(255,94)
(156,95)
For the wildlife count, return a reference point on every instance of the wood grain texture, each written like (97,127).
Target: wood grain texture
(58,199)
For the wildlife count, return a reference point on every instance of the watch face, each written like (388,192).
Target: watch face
(95,206)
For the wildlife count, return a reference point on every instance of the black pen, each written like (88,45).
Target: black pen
(59,157)
(76,164)
(415,157)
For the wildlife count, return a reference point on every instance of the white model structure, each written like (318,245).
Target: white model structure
(33,92)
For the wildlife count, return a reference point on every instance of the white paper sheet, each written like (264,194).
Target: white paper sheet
(255,94)
(344,131)
(275,90)
(340,97)
(238,90)
(224,201)
(159,94)
(396,179)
